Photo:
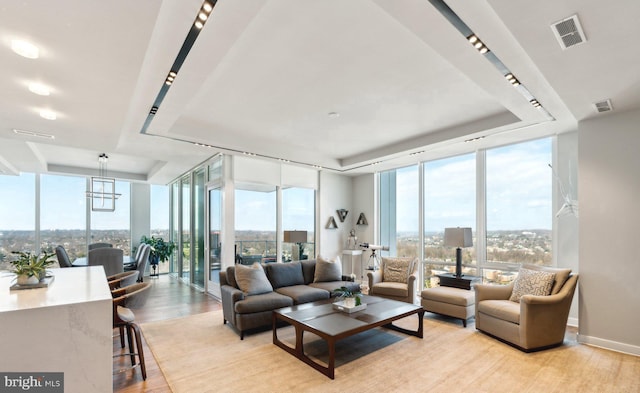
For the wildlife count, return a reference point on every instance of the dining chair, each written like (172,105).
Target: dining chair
(93,246)
(142,260)
(124,301)
(134,265)
(63,257)
(109,258)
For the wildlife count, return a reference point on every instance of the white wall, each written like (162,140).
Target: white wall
(363,201)
(609,184)
(334,193)
(140,213)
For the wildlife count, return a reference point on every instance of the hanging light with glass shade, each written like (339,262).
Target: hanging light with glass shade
(103,189)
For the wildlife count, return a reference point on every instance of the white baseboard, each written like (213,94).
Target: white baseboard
(608,344)
(573,322)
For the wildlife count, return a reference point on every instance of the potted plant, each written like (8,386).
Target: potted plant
(161,250)
(30,268)
(351,298)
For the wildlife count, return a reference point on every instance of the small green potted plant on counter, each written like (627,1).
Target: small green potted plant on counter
(31,268)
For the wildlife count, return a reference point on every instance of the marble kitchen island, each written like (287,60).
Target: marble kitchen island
(66,328)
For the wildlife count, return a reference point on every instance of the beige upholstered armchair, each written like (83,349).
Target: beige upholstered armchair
(534,323)
(396,279)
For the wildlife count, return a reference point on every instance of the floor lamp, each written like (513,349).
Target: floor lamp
(458,237)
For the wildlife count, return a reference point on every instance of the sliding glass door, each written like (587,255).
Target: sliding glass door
(198,258)
(185,261)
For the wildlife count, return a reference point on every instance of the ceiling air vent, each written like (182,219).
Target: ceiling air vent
(569,32)
(603,106)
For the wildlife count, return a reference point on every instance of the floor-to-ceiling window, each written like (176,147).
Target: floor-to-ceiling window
(114,227)
(175,226)
(399,205)
(17,216)
(185,238)
(159,219)
(252,201)
(449,201)
(519,216)
(63,214)
(39,212)
(198,256)
(514,220)
(255,223)
(298,215)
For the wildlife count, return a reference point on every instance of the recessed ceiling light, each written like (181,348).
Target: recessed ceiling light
(47,114)
(25,49)
(333,115)
(39,89)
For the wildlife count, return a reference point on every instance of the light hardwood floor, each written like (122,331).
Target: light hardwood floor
(169,298)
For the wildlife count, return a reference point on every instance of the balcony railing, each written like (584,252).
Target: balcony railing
(247,252)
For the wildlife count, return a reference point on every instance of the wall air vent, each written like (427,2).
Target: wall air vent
(569,32)
(603,106)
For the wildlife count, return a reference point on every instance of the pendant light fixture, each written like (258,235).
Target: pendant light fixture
(103,189)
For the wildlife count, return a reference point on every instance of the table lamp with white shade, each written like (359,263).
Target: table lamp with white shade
(458,237)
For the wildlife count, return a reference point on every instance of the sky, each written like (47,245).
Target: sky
(63,204)
(256,210)
(519,183)
(519,186)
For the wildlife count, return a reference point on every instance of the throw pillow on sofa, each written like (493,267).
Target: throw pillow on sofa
(327,270)
(396,269)
(532,282)
(285,274)
(252,280)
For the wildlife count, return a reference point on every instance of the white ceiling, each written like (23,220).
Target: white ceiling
(264,76)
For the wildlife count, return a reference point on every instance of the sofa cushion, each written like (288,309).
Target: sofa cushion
(231,276)
(303,293)
(331,286)
(532,282)
(396,269)
(501,309)
(285,274)
(308,270)
(562,275)
(327,270)
(390,288)
(252,280)
(263,302)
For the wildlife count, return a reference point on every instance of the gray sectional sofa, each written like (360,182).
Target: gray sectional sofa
(291,283)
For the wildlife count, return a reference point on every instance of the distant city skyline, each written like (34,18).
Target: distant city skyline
(519,185)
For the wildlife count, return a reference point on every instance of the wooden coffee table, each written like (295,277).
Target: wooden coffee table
(332,325)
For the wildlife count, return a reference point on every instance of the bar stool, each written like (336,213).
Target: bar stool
(124,300)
